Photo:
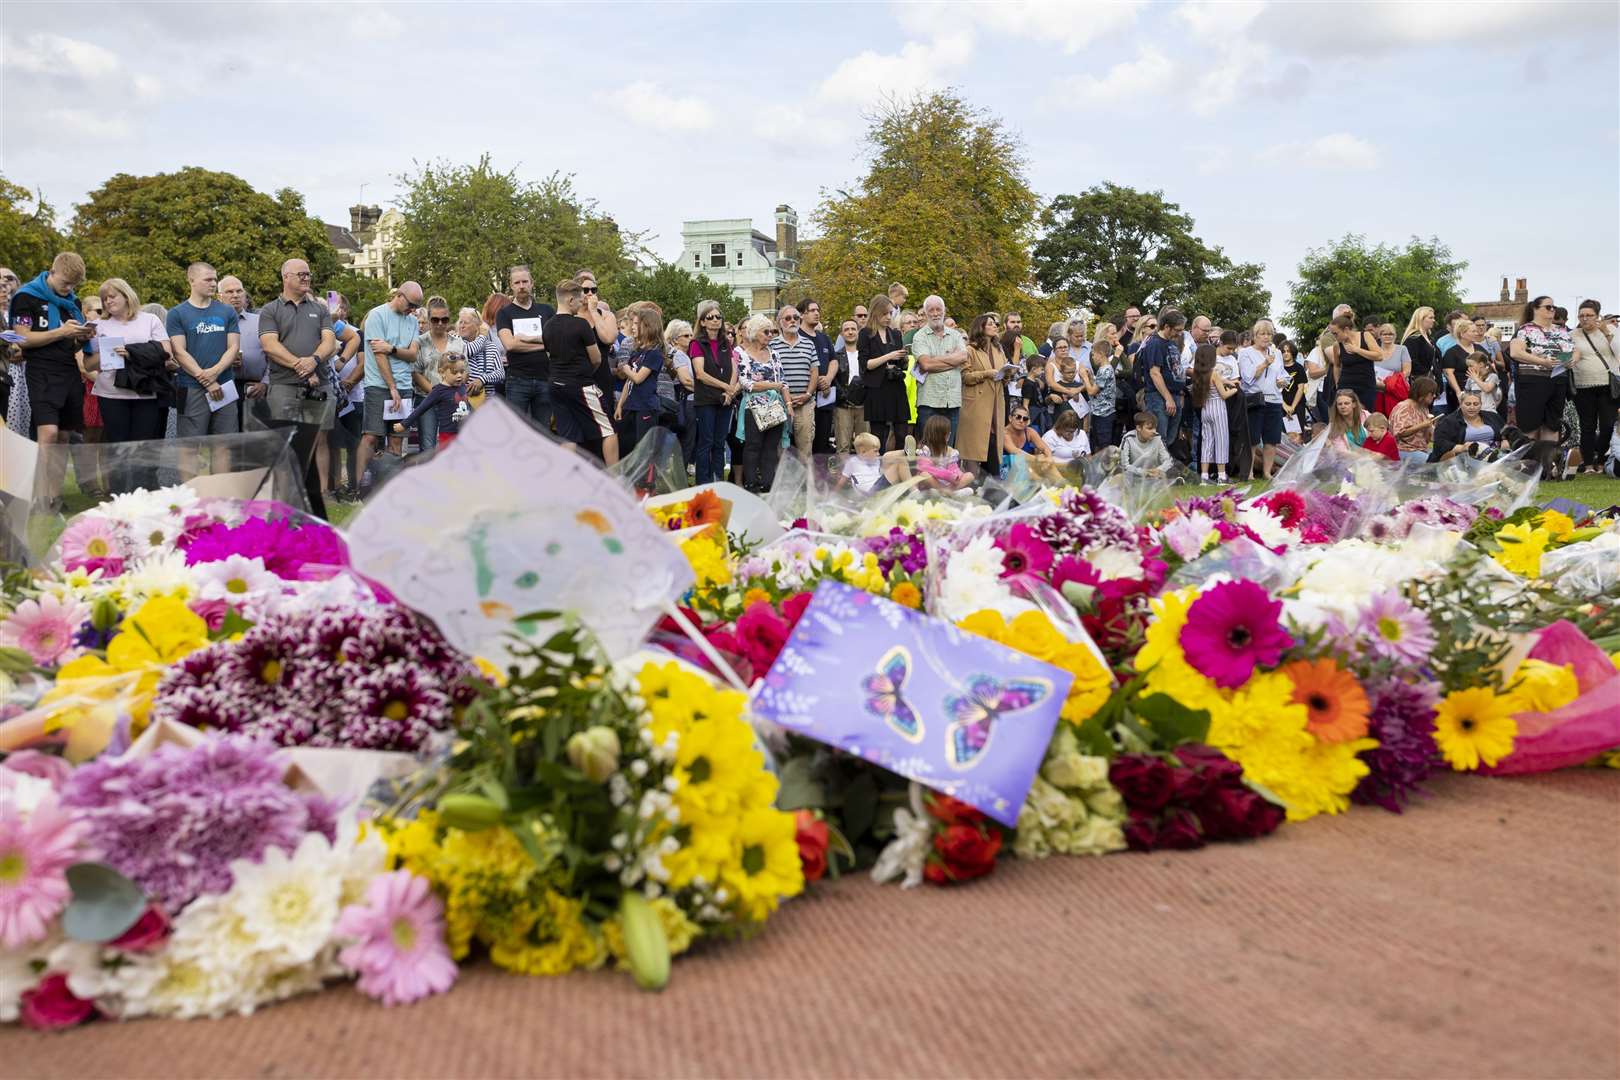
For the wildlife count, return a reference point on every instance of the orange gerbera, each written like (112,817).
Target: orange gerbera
(1334,699)
(705,508)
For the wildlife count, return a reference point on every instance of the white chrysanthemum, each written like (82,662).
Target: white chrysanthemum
(289,904)
(1114,562)
(234,578)
(174,983)
(980,558)
(132,506)
(21,790)
(151,535)
(362,857)
(162,574)
(20,971)
(1266,525)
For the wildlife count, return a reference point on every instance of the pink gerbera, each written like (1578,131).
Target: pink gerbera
(44,628)
(399,952)
(93,543)
(36,849)
(1023,553)
(1232,628)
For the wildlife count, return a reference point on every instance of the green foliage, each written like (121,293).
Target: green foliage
(148,229)
(944,207)
(465,225)
(361,291)
(1383,282)
(28,236)
(1111,247)
(674,289)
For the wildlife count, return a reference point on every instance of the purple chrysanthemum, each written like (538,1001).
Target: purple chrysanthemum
(1083,519)
(1395,630)
(1402,718)
(172,821)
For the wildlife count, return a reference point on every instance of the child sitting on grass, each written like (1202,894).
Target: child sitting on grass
(1144,453)
(1380,440)
(937,459)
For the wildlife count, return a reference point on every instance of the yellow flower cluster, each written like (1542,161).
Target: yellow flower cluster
(1522,546)
(1033,634)
(90,692)
(497,894)
(730,832)
(710,562)
(1258,725)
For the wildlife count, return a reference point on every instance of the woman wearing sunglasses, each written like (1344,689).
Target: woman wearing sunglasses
(1543,351)
(437,342)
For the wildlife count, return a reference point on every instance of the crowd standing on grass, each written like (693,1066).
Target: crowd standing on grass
(1157,389)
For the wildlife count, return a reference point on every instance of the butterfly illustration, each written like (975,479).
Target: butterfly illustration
(974,715)
(883,694)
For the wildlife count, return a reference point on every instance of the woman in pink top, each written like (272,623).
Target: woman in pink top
(1411,422)
(126,415)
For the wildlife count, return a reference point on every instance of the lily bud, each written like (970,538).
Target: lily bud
(471,813)
(645,944)
(595,752)
(105,614)
(1081,595)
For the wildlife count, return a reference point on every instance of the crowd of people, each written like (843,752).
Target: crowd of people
(900,392)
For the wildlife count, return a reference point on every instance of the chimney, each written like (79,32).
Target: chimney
(787,234)
(1521,291)
(362,219)
(1504,290)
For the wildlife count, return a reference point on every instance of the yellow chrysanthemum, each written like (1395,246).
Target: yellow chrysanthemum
(1310,776)
(1559,524)
(1542,687)
(558,941)
(705,849)
(708,560)
(1163,638)
(1474,726)
(907,595)
(1522,547)
(765,867)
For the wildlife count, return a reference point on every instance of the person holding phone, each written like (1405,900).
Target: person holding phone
(46,312)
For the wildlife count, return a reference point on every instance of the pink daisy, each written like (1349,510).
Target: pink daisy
(1023,553)
(44,628)
(92,543)
(1231,629)
(1395,630)
(399,953)
(35,851)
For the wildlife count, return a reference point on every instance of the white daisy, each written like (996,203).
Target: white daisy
(234,578)
(161,574)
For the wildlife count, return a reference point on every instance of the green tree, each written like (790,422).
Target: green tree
(944,208)
(1383,282)
(466,225)
(362,291)
(148,229)
(674,289)
(28,235)
(1112,247)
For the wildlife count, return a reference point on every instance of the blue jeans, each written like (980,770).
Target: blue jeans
(713,425)
(926,411)
(530,398)
(1102,430)
(428,430)
(1169,426)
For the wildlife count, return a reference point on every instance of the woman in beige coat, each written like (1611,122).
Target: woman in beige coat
(984,399)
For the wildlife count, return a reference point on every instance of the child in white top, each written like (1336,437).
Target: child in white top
(863,468)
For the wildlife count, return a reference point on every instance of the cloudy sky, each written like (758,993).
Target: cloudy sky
(1493,124)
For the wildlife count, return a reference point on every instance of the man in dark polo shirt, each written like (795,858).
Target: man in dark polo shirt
(296,332)
(46,313)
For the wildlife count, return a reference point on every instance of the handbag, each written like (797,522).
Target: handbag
(767,410)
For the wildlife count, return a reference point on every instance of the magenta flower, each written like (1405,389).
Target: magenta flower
(1231,629)
(1023,553)
(93,543)
(284,547)
(399,954)
(1395,630)
(36,849)
(43,628)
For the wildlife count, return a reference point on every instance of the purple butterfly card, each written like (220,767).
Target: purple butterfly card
(956,712)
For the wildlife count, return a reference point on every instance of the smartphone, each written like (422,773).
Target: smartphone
(331,300)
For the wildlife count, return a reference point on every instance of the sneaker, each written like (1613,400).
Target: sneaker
(911,447)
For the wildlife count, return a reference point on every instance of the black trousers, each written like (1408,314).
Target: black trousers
(1596,407)
(760,452)
(132,420)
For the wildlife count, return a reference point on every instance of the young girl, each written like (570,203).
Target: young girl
(1346,421)
(1067,440)
(446,402)
(937,459)
(1065,385)
(1208,394)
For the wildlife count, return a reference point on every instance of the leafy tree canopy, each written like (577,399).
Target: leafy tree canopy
(674,289)
(1383,282)
(28,236)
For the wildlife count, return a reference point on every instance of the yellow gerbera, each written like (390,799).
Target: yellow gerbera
(1163,639)
(764,866)
(1473,726)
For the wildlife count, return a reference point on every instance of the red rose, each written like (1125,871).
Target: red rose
(812,835)
(1217,767)
(964,852)
(761,635)
(952,811)
(1144,782)
(149,931)
(1179,831)
(1141,832)
(793,608)
(1231,812)
(1189,785)
(51,1006)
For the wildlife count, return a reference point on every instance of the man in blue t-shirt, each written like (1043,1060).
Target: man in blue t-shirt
(1157,363)
(205,335)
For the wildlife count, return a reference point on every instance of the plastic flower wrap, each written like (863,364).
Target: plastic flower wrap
(591,813)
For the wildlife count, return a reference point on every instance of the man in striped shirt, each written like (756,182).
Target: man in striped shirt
(797,355)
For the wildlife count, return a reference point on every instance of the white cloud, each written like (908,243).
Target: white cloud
(1340,150)
(920,65)
(1220,19)
(1067,24)
(645,103)
(1389,26)
(81,64)
(1150,74)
